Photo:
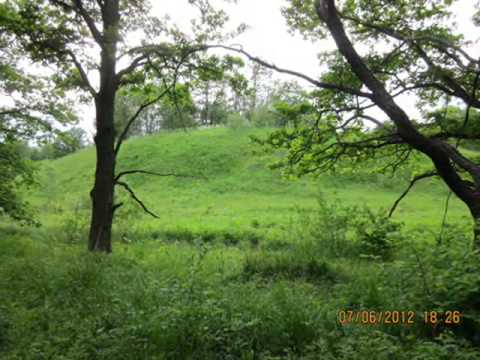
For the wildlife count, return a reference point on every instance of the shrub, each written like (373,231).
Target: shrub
(377,234)
(264,117)
(74,225)
(336,230)
(236,121)
(325,230)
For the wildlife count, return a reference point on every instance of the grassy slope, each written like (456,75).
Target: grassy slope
(239,189)
(188,300)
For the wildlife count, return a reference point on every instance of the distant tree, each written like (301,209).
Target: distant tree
(259,92)
(213,83)
(451,120)
(237,121)
(219,111)
(70,141)
(177,111)
(125,107)
(265,116)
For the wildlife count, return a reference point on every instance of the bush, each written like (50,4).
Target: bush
(336,230)
(74,227)
(377,234)
(325,230)
(236,121)
(264,117)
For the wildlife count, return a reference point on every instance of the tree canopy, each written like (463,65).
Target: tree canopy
(384,50)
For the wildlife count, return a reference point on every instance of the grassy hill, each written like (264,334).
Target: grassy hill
(230,188)
(242,264)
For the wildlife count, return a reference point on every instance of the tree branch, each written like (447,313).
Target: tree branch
(441,45)
(129,172)
(124,133)
(83,74)
(412,183)
(435,150)
(134,197)
(317,83)
(90,22)
(134,64)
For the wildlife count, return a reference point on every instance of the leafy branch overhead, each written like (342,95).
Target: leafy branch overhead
(384,50)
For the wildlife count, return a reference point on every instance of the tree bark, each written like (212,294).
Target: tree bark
(100,238)
(103,190)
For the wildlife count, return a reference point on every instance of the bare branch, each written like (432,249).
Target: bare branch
(124,133)
(138,201)
(116,207)
(317,83)
(129,172)
(412,183)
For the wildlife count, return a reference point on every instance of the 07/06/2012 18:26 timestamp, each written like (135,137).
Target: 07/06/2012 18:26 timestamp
(366,317)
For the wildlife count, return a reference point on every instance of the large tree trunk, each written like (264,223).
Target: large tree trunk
(103,190)
(100,238)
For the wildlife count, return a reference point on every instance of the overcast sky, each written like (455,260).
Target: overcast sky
(268,38)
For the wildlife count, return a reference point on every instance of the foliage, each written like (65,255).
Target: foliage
(237,121)
(263,116)
(377,234)
(218,112)
(334,229)
(230,188)
(16,172)
(74,38)
(383,50)
(177,109)
(232,269)
(64,143)
(292,114)
(206,300)
(287,265)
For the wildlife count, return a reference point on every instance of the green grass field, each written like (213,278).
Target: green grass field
(242,264)
(230,188)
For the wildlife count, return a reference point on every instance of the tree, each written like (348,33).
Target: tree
(213,82)
(406,47)
(15,172)
(31,107)
(80,36)
(177,111)
(259,91)
(125,106)
(70,141)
